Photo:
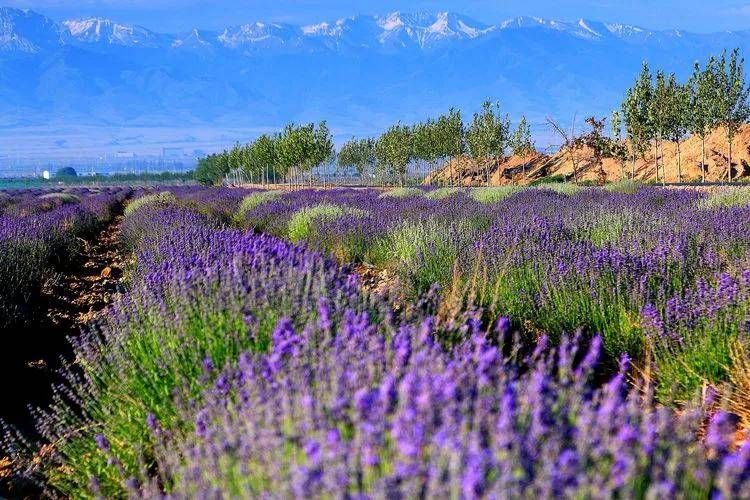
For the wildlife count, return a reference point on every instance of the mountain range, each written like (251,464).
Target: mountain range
(360,73)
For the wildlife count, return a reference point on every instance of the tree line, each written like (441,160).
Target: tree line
(656,109)
(293,154)
(659,108)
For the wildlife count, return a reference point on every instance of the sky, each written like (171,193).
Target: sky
(181,15)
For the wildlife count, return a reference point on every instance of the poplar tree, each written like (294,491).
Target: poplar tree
(619,149)
(358,154)
(520,141)
(448,136)
(425,143)
(678,102)
(659,116)
(487,136)
(732,98)
(394,152)
(702,116)
(636,112)
(322,150)
(261,157)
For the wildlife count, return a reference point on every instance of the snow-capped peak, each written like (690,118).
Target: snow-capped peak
(95,30)
(440,26)
(391,22)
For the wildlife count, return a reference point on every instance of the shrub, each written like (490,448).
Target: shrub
(253,201)
(625,186)
(550,179)
(160,199)
(441,193)
(302,222)
(565,188)
(494,194)
(727,197)
(403,192)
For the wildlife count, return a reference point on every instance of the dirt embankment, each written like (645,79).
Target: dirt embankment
(527,169)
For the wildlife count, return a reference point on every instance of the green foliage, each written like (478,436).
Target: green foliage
(421,255)
(565,188)
(636,110)
(625,186)
(520,141)
(402,192)
(259,158)
(302,222)
(360,155)
(394,151)
(550,179)
(487,136)
(163,198)
(253,201)
(212,169)
(441,193)
(494,194)
(64,198)
(66,172)
(728,197)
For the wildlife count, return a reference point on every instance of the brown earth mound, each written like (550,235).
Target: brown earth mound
(527,169)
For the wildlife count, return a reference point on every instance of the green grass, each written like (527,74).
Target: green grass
(402,192)
(302,222)
(64,198)
(565,188)
(420,253)
(728,197)
(489,195)
(625,186)
(253,201)
(163,198)
(442,193)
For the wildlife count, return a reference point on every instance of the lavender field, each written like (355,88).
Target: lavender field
(453,343)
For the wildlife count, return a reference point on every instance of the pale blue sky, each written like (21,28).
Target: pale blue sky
(180,15)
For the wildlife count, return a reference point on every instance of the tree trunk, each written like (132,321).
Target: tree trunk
(656,158)
(729,165)
(704,167)
(679,163)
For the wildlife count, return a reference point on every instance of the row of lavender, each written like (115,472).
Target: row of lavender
(39,234)
(661,274)
(240,365)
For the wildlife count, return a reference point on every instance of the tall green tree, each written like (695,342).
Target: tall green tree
(678,116)
(659,115)
(487,136)
(261,157)
(637,115)
(212,168)
(322,151)
(358,154)
(702,116)
(394,152)
(294,148)
(619,150)
(521,142)
(732,107)
(448,136)
(425,143)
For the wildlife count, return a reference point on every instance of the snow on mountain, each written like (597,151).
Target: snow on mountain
(258,34)
(361,72)
(25,31)
(97,30)
(193,40)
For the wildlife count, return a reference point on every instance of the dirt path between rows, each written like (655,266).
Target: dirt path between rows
(69,303)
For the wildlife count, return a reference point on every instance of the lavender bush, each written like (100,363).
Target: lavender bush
(241,365)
